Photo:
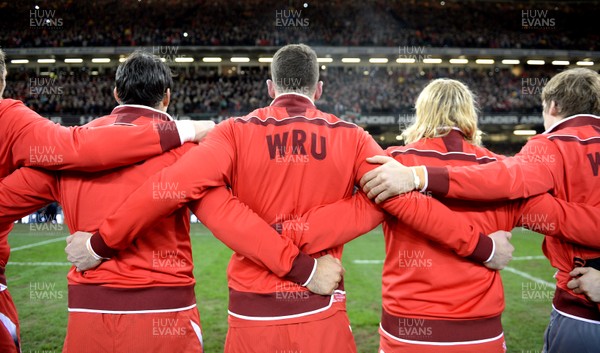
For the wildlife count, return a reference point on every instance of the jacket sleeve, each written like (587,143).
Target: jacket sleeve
(328,226)
(573,222)
(246,233)
(534,170)
(204,166)
(453,230)
(38,142)
(25,191)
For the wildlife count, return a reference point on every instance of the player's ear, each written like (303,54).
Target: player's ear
(271,89)
(116,95)
(318,91)
(167,98)
(553,109)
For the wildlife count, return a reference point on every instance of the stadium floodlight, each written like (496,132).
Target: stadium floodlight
(19,61)
(484,61)
(100,60)
(524,132)
(585,63)
(378,60)
(432,61)
(122,60)
(73,61)
(511,61)
(185,59)
(536,62)
(459,61)
(240,59)
(324,60)
(350,60)
(46,61)
(266,60)
(405,60)
(211,59)
(561,62)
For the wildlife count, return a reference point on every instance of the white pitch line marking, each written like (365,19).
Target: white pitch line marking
(40,263)
(29,246)
(367,262)
(530,277)
(522,258)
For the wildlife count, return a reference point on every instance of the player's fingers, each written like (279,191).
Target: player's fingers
(574,283)
(376,190)
(579,271)
(508,235)
(578,290)
(379,159)
(370,175)
(69,239)
(386,194)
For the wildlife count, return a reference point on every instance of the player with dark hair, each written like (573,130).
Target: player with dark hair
(31,140)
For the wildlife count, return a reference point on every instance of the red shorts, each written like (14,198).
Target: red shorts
(390,345)
(330,335)
(134,333)
(9,324)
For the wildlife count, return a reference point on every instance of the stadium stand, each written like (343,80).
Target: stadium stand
(510,24)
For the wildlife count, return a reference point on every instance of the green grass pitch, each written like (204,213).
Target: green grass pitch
(40,292)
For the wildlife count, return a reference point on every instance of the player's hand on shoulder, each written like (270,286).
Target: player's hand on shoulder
(390,179)
(503,250)
(327,276)
(202,128)
(78,252)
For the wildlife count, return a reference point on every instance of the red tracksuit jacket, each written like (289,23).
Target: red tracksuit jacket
(31,140)
(564,161)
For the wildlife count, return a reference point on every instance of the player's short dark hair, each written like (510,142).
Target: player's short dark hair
(2,62)
(295,69)
(143,79)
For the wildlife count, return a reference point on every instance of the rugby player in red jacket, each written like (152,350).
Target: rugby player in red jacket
(565,161)
(281,161)
(31,140)
(143,299)
(434,300)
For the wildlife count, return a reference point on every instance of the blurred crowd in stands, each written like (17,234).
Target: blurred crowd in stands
(367,90)
(514,24)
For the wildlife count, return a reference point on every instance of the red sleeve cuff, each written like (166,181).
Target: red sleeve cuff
(100,247)
(169,136)
(438,180)
(302,269)
(483,250)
